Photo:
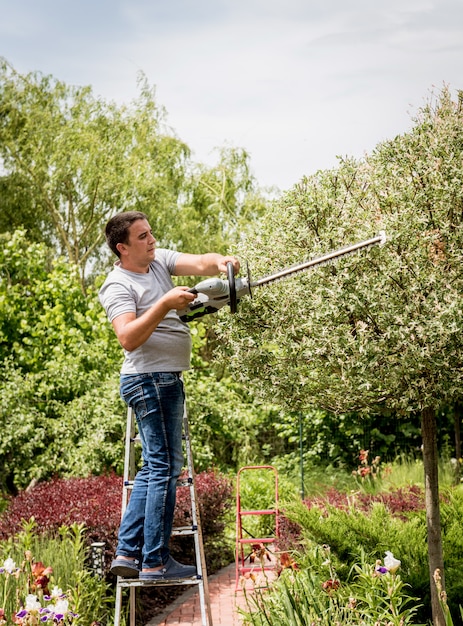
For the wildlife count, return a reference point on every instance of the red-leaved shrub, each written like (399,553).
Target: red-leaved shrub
(398,502)
(96,502)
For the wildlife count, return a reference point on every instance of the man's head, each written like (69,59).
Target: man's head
(117,229)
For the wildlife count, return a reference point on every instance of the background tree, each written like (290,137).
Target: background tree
(381,330)
(219,203)
(70,161)
(78,159)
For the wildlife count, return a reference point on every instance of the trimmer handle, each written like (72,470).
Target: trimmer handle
(231,286)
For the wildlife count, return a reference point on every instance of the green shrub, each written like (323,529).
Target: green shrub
(49,568)
(361,523)
(314,594)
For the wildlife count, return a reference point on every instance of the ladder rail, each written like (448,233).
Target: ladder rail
(201,581)
(205,604)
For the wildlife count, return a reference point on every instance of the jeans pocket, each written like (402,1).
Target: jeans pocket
(131,389)
(165,379)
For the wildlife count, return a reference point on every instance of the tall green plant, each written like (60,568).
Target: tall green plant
(50,573)
(315,595)
(56,351)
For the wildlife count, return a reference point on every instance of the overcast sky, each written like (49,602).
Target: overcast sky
(294,82)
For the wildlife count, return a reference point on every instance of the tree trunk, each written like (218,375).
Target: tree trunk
(431,476)
(456,424)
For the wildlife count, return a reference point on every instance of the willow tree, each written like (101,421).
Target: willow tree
(71,160)
(381,330)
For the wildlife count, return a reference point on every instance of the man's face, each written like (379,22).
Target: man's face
(140,249)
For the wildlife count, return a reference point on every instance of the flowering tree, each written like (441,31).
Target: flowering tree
(381,331)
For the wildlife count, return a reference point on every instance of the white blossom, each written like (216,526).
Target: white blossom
(391,563)
(9,565)
(32,602)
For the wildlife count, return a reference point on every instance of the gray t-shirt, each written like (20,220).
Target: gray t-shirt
(169,347)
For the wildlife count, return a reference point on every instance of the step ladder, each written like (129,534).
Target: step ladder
(130,463)
(255,558)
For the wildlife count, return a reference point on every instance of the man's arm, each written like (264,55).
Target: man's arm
(208,264)
(133,331)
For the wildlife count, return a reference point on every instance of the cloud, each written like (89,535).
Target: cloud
(295,83)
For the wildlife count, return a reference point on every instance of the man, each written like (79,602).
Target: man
(141,302)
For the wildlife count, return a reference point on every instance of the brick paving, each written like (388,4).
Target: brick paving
(225,602)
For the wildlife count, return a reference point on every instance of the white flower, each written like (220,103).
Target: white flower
(61,607)
(391,563)
(9,565)
(56,592)
(32,603)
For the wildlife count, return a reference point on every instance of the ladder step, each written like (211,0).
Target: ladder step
(181,482)
(184,530)
(185,482)
(256,568)
(263,512)
(266,540)
(136,582)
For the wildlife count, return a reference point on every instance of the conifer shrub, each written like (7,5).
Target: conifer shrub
(399,503)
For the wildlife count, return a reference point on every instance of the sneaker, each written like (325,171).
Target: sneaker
(125,568)
(170,571)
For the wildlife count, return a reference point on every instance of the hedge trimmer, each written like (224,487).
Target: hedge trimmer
(215,293)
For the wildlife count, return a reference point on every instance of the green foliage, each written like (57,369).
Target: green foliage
(314,594)
(59,356)
(335,439)
(66,555)
(381,329)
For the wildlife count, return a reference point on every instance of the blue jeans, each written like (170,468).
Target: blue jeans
(158,403)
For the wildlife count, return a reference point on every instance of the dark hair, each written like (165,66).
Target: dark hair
(117,229)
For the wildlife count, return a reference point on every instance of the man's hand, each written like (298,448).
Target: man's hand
(178,298)
(223,262)
(133,331)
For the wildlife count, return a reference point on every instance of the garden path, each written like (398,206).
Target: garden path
(186,609)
